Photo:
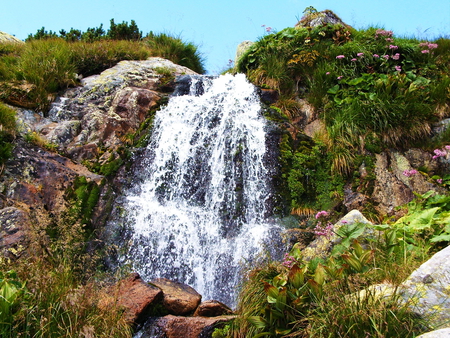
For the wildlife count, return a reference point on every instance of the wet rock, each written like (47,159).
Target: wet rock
(212,308)
(179,298)
(187,327)
(136,298)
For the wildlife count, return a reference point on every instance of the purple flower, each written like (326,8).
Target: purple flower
(353,59)
(425,51)
(376,56)
(393,47)
(409,173)
(398,68)
(322,213)
(323,231)
(432,45)
(383,32)
(389,39)
(386,57)
(340,56)
(344,221)
(439,180)
(339,77)
(360,54)
(327,73)
(396,56)
(447,147)
(268,29)
(439,153)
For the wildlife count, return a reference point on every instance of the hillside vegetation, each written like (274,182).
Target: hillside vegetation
(370,89)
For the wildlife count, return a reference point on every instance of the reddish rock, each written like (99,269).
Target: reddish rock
(137,297)
(179,298)
(212,308)
(186,327)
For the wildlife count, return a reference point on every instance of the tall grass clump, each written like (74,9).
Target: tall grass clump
(7,132)
(175,49)
(55,289)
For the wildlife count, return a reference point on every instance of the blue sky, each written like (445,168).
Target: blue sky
(219,26)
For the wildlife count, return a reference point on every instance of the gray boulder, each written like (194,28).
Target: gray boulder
(427,290)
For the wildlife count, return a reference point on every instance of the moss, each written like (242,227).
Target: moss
(307,180)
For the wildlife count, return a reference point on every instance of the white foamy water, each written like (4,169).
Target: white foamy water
(201,210)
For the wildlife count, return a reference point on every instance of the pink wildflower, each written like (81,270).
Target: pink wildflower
(360,54)
(439,153)
(340,56)
(339,77)
(383,32)
(439,180)
(289,260)
(386,57)
(389,39)
(425,51)
(447,147)
(327,73)
(268,29)
(323,231)
(432,45)
(396,56)
(393,47)
(409,173)
(353,59)
(376,56)
(322,213)
(398,68)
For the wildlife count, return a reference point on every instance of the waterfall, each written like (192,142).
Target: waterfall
(202,209)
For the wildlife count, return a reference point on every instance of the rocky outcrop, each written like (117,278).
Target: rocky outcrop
(179,298)
(34,186)
(94,120)
(315,19)
(392,186)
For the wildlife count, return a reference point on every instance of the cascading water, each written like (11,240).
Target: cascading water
(202,208)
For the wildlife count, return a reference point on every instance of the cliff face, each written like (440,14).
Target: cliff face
(77,154)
